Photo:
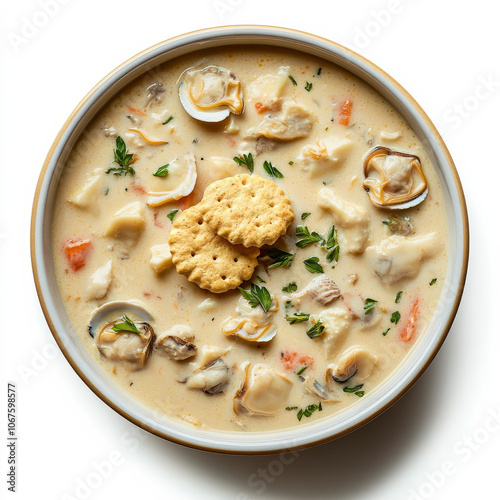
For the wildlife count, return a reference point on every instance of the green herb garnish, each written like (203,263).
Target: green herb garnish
(331,246)
(292,79)
(171,214)
(305,215)
(290,162)
(297,317)
(123,158)
(280,258)
(369,305)
(433,281)
(245,161)
(308,411)
(355,389)
(395,317)
(316,330)
(257,296)
(386,332)
(306,238)
(290,408)
(301,370)
(272,171)
(318,72)
(162,171)
(398,297)
(291,287)
(127,326)
(168,120)
(313,266)
(387,222)
(309,86)
(260,280)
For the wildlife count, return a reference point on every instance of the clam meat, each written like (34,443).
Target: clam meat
(354,361)
(394,179)
(123,339)
(176,343)
(210,94)
(263,391)
(212,379)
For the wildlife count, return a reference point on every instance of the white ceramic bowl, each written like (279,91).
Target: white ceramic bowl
(301,436)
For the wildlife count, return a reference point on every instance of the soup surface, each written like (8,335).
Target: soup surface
(330,308)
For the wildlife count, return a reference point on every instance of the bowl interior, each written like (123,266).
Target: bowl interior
(313,433)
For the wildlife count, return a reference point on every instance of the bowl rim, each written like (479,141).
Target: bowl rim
(269,33)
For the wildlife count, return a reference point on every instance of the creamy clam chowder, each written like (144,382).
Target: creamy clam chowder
(333,305)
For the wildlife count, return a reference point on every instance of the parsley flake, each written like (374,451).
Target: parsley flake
(245,161)
(313,266)
(305,215)
(123,158)
(171,214)
(369,305)
(398,297)
(272,171)
(291,287)
(168,120)
(292,79)
(433,281)
(316,330)
(127,326)
(257,296)
(162,171)
(297,317)
(280,258)
(306,238)
(308,86)
(395,317)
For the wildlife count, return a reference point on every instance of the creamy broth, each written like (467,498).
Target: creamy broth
(88,198)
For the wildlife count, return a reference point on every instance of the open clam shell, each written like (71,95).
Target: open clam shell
(102,314)
(394,179)
(210,94)
(249,330)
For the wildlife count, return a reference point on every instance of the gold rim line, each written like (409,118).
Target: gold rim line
(308,41)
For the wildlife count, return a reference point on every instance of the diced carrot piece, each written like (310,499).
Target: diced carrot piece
(138,188)
(137,111)
(345,112)
(292,360)
(260,107)
(76,252)
(409,327)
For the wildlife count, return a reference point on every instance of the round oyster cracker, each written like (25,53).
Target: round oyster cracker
(247,210)
(207,259)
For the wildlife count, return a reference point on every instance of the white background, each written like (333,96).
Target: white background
(446,55)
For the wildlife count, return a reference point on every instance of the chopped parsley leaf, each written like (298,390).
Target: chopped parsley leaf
(297,317)
(308,86)
(162,171)
(369,305)
(395,317)
(433,281)
(245,161)
(292,79)
(280,258)
(301,370)
(291,287)
(305,215)
(398,297)
(168,120)
(127,326)
(313,266)
(171,214)
(316,330)
(257,296)
(123,158)
(306,238)
(272,171)
(260,280)
(386,332)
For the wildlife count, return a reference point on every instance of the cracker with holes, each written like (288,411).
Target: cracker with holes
(247,210)
(207,259)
